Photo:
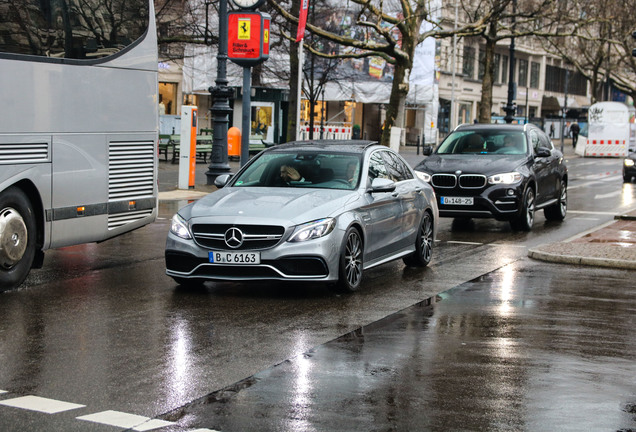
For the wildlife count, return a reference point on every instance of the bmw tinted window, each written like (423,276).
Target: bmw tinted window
(534,139)
(544,141)
(484,142)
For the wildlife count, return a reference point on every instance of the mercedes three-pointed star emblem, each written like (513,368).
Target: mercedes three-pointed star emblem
(234,238)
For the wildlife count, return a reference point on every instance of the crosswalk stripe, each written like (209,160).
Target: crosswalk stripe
(40,404)
(124,420)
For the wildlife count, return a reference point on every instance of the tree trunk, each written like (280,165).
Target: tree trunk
(395,109)
(485,109)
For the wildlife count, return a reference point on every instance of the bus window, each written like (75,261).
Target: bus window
(70,29)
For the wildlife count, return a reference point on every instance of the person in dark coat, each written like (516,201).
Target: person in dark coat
(574,130)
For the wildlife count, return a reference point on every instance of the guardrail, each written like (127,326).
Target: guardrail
(330,132)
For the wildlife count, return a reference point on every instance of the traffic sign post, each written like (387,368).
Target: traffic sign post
(248,45)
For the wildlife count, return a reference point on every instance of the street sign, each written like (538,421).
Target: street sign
(248,38)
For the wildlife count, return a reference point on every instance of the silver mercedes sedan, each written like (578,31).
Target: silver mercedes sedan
(320,211)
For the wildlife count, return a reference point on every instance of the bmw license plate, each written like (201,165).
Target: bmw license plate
(239,258)
(458,200)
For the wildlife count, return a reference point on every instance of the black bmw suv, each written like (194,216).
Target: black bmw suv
(502,171)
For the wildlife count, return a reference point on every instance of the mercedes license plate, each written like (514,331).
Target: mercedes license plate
(458,200)
(223,257)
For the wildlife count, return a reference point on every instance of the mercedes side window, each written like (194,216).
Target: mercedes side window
(377,169)
(396,169)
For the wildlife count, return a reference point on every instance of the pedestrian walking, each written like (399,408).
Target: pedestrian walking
(574,130)
(552,130)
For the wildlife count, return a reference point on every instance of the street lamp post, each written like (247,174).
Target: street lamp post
(510,108)
(221,107)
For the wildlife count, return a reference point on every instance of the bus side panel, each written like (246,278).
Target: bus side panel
(80,192)
(26,160)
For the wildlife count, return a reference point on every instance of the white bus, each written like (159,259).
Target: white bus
(78,125)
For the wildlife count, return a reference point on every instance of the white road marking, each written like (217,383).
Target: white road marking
(608,195)
(124,420)
(591,212)
(463,242)
(40,404)
(3,391)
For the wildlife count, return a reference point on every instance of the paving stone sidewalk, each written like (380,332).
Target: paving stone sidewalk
(610,245)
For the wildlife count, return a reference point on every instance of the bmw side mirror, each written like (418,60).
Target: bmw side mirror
(543,152)
(222,180)
(427,150)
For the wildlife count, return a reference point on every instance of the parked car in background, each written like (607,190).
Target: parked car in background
(629,166)
(319,211)
(506,172)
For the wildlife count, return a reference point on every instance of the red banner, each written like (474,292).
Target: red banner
(302,19)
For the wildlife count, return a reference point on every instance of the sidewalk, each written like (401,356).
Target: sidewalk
(610,245)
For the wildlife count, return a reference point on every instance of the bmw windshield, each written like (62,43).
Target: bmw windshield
(484,143)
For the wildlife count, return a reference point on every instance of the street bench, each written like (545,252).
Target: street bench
(203,148)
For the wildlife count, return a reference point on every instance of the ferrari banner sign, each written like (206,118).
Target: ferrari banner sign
(302,20)
(248,38)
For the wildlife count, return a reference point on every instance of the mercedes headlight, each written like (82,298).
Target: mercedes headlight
(505,178)
(629,162)
(179,227)
(313,230)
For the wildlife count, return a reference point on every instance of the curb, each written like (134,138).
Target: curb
(179,195)
(579,260)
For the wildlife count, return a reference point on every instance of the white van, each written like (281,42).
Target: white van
(608,131)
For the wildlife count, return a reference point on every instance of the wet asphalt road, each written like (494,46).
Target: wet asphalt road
(520,348)
(504,343)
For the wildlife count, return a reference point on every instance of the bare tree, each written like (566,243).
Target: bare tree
(599,46)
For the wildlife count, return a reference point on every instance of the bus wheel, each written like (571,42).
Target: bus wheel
(17,238)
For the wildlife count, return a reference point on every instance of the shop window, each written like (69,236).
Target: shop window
(167,98)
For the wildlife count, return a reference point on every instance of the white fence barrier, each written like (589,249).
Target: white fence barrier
(331,132)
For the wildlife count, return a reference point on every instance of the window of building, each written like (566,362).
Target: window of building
(167,98)
(496,61)
(464,115)
(523,73)
(468,68)
(534,74)
(504,70)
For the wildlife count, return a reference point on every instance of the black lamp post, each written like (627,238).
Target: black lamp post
(221,108)
(510,108)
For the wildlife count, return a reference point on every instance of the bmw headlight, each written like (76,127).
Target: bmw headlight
(423,176)
(179,227)
(313,230)
(505,178)
(629,162)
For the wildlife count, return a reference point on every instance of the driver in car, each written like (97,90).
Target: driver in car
(289,173)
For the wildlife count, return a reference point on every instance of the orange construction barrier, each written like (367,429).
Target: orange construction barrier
(234,142)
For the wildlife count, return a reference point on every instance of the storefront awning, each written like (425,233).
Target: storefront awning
(550,103)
